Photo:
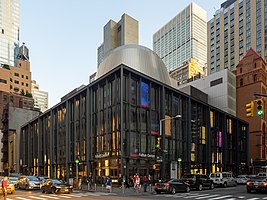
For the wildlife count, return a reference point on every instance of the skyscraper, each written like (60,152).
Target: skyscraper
(118,34)
(235,28)
(183,38)
(40,97)
(9,31)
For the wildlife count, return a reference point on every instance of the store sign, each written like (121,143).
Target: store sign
(144,155)
(103,155)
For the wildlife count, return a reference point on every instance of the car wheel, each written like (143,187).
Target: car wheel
(53,190)
(173,191)
(158,192)
(199,187)
(248,190)
(224,184)
(43,191)
(187,189)
(212,186)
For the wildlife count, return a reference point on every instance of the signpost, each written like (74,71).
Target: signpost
(77,173)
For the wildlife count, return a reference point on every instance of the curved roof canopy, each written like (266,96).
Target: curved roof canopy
(138,58)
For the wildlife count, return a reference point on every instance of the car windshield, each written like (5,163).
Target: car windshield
(56,181)
(13,178)
(188,176)
(33,178)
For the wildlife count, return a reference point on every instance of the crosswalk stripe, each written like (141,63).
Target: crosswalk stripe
(253,198)
(37,197)
(71,195)
(196,195)
(209,196)
(264,198)
(241,197)
(48,196)
(221,197)
(22,198)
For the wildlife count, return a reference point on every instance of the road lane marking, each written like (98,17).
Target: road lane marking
(253,199)
(215,195)
(264,198)
(196,195)
(22,198)
(221,197)
(37,197)
(241,197)
(48,196)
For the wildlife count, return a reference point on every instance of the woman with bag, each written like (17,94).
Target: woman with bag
(4,187)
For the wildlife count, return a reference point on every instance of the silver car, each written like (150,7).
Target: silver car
(29,182)
(242,179)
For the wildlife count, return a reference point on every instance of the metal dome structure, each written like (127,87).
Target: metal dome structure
(137,57)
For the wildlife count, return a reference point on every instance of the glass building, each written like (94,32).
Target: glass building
(112,126)
(182,38)
(9,31)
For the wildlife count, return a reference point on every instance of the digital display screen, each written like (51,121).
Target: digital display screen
(144,94)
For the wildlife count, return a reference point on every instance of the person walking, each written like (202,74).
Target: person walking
(138,184)
(4,187)
(134,180)
(108,185)
(145,183)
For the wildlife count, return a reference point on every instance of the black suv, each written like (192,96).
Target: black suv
(198,181)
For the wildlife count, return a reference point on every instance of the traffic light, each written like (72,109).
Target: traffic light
(260,107)
(250,109)
(157,143)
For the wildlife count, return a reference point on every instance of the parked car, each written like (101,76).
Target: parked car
(223,179)
(198,181)
(29,182)
(10,187)
(242,179)
(13,180)
(56,186)
(256,185)
(172,186)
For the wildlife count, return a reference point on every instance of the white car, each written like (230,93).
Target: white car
(242,179)
(223,179)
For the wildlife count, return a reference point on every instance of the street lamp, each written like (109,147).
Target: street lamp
(160,133)
(77,173)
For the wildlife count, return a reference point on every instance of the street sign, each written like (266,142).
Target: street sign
(173,169)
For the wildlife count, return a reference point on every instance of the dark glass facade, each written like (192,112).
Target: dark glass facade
(112,127)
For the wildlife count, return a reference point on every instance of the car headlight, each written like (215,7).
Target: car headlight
(32,184)
(71,187)
(58,187)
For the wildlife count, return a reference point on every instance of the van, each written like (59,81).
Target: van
(223,179)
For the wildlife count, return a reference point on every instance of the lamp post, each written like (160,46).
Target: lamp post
(179,166)
(77,173)
(160,133)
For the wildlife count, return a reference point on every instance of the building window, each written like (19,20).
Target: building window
(16,74)
(27,84)
(216,82)
(22,76)
(241,70)
(3,81)
(27,77)
(241,82)
(16,82)
(255,78)
(22,83)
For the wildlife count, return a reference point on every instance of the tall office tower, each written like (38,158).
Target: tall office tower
(183,38)
(40,97)
(235,28)
(118,34)
(9,31)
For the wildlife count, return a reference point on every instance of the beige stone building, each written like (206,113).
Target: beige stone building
(117,34)
(235,28)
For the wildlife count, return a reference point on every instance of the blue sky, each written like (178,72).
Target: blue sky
(63,35)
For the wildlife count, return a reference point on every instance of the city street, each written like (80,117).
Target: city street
(229,193)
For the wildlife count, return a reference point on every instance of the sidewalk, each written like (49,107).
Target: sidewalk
(117,190)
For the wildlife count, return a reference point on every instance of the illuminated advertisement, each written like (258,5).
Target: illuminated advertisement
(219,139)
(144,94)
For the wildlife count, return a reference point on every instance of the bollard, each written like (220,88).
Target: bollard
(95,186)
(110,188)
(150,187)
(88,187)
(102,188)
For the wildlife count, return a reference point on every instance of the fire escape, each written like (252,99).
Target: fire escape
(4,139)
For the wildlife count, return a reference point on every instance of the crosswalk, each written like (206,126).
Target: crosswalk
(54,196)
(201,196)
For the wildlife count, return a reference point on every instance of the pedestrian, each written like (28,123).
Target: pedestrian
(108,187)
(145,180)
(134,180)
(4,187)
(138,184)
(127,185)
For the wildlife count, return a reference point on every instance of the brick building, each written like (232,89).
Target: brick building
(251,78)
